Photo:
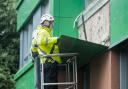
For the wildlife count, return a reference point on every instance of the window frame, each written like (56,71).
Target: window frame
(25,45)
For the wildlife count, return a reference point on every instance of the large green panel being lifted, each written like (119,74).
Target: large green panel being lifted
(118,21)
(86,50)
(65,12)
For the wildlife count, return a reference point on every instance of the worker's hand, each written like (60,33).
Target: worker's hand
(35,54)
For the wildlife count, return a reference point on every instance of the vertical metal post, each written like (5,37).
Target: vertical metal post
(42,77)
(73,62)
(69,72)
(37,74)
(66,74)
(84,27)
(76,72)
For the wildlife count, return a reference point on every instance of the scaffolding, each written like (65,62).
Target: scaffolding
(70,65)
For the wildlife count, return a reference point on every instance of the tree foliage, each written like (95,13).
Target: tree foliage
(9,44)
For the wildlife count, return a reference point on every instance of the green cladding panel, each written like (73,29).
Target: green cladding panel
(24,11)
(71,8)
(25,78)
(65,12)
(118,21)
(67,27)
(86,50)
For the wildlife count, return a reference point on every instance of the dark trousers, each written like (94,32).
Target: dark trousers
(50,74)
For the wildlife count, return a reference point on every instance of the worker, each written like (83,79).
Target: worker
(43,42)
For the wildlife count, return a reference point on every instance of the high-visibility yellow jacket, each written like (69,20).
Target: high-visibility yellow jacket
(43,41)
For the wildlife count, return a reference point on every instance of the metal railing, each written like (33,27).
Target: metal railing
(71,65)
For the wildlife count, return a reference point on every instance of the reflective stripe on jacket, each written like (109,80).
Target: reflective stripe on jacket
(42,42)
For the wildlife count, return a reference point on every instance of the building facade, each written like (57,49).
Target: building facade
(102,22)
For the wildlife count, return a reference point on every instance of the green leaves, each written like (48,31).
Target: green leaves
(6,81)
(9,44)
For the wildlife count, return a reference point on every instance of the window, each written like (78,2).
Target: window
(25,43)
(26,38)
(26,34)
(124,69)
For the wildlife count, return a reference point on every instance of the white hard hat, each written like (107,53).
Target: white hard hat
(47,17)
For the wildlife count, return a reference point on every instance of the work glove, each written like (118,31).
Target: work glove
(34,55)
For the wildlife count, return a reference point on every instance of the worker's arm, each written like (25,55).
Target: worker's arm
(33,49)
(45,39)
